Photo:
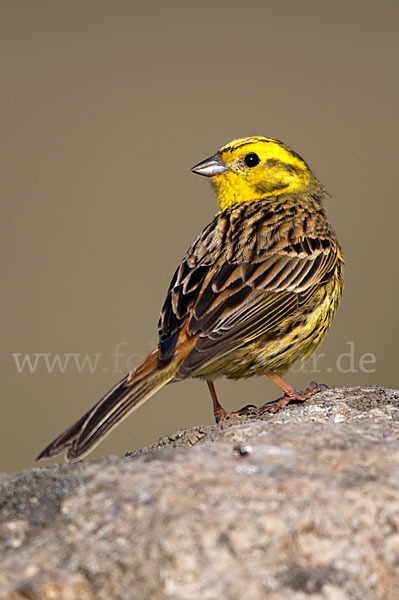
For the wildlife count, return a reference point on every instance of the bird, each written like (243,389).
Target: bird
(255,292)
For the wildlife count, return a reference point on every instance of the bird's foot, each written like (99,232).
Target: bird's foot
(292,396)
(247,411)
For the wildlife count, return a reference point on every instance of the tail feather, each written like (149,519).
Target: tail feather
(125,397)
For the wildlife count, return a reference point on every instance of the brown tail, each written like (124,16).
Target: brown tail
(121,400)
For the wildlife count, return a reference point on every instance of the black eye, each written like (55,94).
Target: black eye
(251,160)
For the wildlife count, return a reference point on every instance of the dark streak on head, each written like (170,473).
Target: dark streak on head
(274,162)
(239,145)
(255,139)
(267,188)
(292,152)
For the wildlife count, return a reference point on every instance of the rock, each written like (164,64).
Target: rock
(303,504)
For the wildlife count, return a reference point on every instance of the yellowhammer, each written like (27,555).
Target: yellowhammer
(256,291)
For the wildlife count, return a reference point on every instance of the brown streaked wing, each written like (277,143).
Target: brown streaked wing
(240,303)
(181,297)
(228,301)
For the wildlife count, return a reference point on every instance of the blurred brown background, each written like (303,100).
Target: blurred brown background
(105,106)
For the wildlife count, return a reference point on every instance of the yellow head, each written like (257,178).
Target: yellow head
(251,168)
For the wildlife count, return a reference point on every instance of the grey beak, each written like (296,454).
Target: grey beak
(210,167)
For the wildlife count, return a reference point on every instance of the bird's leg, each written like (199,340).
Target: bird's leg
(290,394)
(218,410)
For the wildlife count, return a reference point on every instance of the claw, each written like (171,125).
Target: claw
(294,396)
(247,410)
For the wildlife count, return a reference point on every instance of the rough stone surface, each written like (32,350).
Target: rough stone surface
(301,505)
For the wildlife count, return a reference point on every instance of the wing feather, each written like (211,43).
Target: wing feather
(227,301)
